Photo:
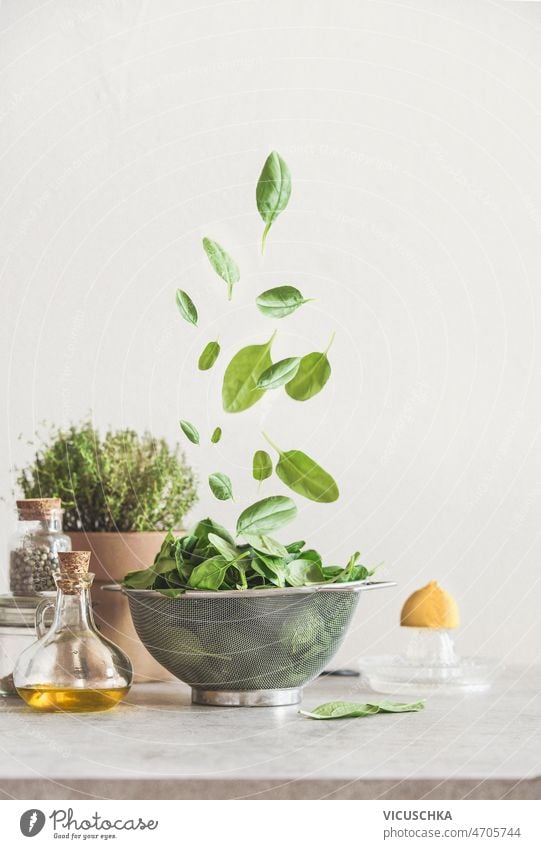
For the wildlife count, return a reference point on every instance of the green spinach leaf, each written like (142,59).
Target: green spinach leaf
(295,547)
(303,475)
(209,356)
(216,435)
(209,575)
(267,515)
(258,561)
(261,466)
(223,264)
(228,551)
(239,390)
(172,593)
(190,431)
(265,545)
(312,375)
(301,573)
(347,710)
(186,307)
(220,486)
(280,301)
(273,191)
(269,569)
(279,373)
(208,526)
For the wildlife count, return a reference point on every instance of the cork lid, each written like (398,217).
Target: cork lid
(37,508)
(74,562)
(72,570)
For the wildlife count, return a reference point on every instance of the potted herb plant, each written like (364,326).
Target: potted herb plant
(121,493)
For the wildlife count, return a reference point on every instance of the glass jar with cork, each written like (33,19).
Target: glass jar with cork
(36,545)
(71,667)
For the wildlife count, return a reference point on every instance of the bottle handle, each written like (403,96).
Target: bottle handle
(44,605)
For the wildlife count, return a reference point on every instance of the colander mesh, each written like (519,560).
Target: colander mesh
(243,643)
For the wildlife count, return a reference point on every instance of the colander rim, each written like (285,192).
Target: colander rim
(350,586)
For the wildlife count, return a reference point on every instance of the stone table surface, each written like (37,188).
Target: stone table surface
(157,745)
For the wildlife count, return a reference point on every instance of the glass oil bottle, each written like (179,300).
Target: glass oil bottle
(72,667)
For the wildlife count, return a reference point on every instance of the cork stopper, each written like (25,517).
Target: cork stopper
(37,508)
(74,562)
(72,573)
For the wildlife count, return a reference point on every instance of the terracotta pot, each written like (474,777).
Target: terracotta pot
(112,555)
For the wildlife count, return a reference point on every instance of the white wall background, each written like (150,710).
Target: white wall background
(413,133)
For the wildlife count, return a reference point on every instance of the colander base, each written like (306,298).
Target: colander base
(247,698)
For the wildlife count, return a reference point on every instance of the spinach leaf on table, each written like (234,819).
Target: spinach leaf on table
(347,710)
(239,389)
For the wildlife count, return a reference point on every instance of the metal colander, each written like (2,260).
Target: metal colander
(256,647)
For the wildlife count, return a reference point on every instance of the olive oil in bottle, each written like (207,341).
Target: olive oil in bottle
(59,699)
(72,667)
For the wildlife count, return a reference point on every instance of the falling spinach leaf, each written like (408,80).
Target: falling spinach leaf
(209,356)
(303,475)
(216,435)
(223,264)
(280,301)
(267,515)
(312,375)
(261,466)
(279,373)
(221,486)
(347,710)
(186,307)
(239,390)
(190,431)
(273,191)
(209,574)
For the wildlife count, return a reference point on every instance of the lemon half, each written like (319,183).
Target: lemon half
(430,607)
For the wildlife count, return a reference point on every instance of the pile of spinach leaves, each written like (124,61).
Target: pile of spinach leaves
(210,558)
